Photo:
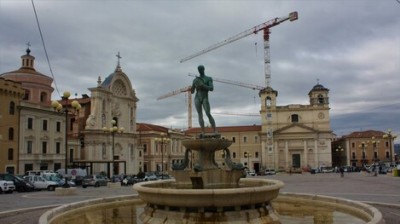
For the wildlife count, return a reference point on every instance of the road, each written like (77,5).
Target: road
(382,191)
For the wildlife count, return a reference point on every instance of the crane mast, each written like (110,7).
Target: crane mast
(265,27)
(187,90)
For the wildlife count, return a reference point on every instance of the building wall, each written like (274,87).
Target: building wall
(11,94)
(296,135)
(363,148)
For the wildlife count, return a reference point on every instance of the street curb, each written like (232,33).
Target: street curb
(22,210)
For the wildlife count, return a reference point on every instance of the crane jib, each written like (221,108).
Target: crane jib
(254,30)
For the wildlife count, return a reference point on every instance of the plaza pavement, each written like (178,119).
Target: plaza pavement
(382,191)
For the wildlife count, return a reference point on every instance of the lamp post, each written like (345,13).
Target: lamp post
(374,144)
(59,108)
(339,151)
(113,130)
(248,155)
(163,140)
(391,138)
(363,157)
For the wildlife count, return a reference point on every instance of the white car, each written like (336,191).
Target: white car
(6,186)
(270,172)
(39,183)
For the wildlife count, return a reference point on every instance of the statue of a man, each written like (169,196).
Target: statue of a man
(203,84)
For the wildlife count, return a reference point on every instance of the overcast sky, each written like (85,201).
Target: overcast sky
(351,47)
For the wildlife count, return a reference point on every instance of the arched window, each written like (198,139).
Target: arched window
(268,101)
(320,99)
(11,134)
(43,97)
(12,108)
(27,93)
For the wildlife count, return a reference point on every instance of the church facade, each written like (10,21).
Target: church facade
(110,140)
(296,136)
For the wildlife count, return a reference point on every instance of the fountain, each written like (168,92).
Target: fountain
(209,194)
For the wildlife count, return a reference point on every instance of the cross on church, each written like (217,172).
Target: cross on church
(28,44)
(118,56)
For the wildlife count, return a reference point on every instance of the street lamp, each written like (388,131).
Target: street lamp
(59,108)
(248,155)
(391,138)
(374,144)
(113,130)
(339,151)
(363,157)
(163,140)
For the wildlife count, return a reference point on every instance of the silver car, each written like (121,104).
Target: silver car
(94,180)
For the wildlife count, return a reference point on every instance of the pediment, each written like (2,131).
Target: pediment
(295,128)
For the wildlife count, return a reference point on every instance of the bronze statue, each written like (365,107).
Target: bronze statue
(203,84)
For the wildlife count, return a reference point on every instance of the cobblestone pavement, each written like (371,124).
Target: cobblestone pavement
(382,191)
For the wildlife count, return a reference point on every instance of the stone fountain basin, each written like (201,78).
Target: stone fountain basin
(209,145)
(248,192)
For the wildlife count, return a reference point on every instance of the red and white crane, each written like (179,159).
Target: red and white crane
(265,28)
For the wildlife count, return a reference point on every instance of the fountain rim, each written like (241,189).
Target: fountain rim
(259,191)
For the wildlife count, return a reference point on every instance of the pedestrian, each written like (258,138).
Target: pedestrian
(341,172)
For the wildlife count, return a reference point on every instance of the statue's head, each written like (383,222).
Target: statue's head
(200,68)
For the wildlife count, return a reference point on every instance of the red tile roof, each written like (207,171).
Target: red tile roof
(365,134)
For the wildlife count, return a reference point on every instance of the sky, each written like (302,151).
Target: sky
(351,47)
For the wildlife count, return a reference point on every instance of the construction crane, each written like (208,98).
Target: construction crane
(265,27)
(187,90)
(236,83)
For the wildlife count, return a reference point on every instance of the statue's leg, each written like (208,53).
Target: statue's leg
(199,110)
(206,106)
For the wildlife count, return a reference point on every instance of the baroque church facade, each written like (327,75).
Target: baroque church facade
(296,136)
(113,105)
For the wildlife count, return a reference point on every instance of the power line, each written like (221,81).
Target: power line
(44,47)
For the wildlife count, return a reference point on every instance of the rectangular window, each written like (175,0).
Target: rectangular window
(58,126)
(29,147)
(58,147)
(145,149)
(10,154)
(44,147)
(255,139)
(233,139)
(353,155)
(44,125)
(244,139)
(256,154)
(353,145)
(30,123)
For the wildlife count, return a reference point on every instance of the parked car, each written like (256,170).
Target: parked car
(58,180)
(40,183)
(327,169)
(251,173)
(6,186)
(20,184)
(269,172)
(23,186)
(94,180)
(150,176)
